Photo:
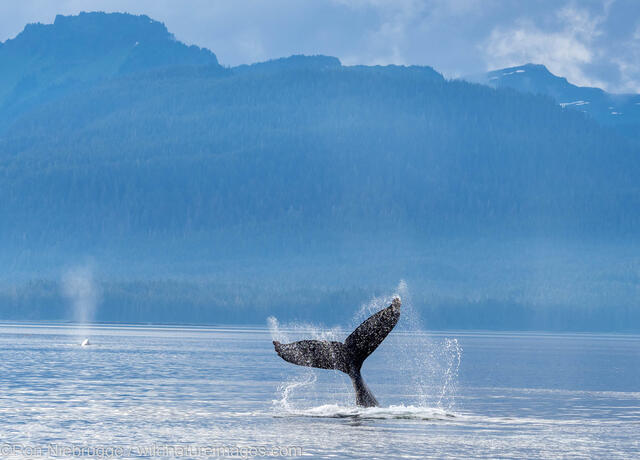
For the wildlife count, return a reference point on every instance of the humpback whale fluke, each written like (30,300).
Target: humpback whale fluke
(348,356)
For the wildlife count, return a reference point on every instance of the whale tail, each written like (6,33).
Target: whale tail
(348,356)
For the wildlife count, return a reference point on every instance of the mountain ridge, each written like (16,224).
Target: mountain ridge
(45,61)
(619,110)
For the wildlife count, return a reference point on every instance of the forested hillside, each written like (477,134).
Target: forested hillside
(296,179)
(329,147)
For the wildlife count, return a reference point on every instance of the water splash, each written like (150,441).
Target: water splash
(453,356)
(432,363)
(274,329)
(401,412)
(295,331)
(287,388)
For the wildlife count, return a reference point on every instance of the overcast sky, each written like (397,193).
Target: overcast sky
(591,42)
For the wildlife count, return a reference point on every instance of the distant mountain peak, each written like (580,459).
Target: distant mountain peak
(101,17)
(524,67)
(612,109)
(44,59)
(103,27)
(526,71)
(98,32)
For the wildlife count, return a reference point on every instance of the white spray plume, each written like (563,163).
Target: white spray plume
(79,286)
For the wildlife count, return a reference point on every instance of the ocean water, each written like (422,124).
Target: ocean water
(164,392)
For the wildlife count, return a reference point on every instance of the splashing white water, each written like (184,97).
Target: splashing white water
(309,331)
(79,287)
(287,388)
(366,413)
(452,354)
(433,364)
(274,328)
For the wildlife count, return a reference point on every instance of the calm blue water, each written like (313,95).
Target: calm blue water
(481,395)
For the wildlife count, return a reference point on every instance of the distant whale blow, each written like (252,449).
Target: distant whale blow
(348,356)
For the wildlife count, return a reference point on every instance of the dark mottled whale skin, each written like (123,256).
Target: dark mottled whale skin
(348,356)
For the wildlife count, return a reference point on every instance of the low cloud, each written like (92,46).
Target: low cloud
(584,45)
(628,64)
(565,52)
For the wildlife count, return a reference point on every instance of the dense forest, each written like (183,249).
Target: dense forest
(299,187)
